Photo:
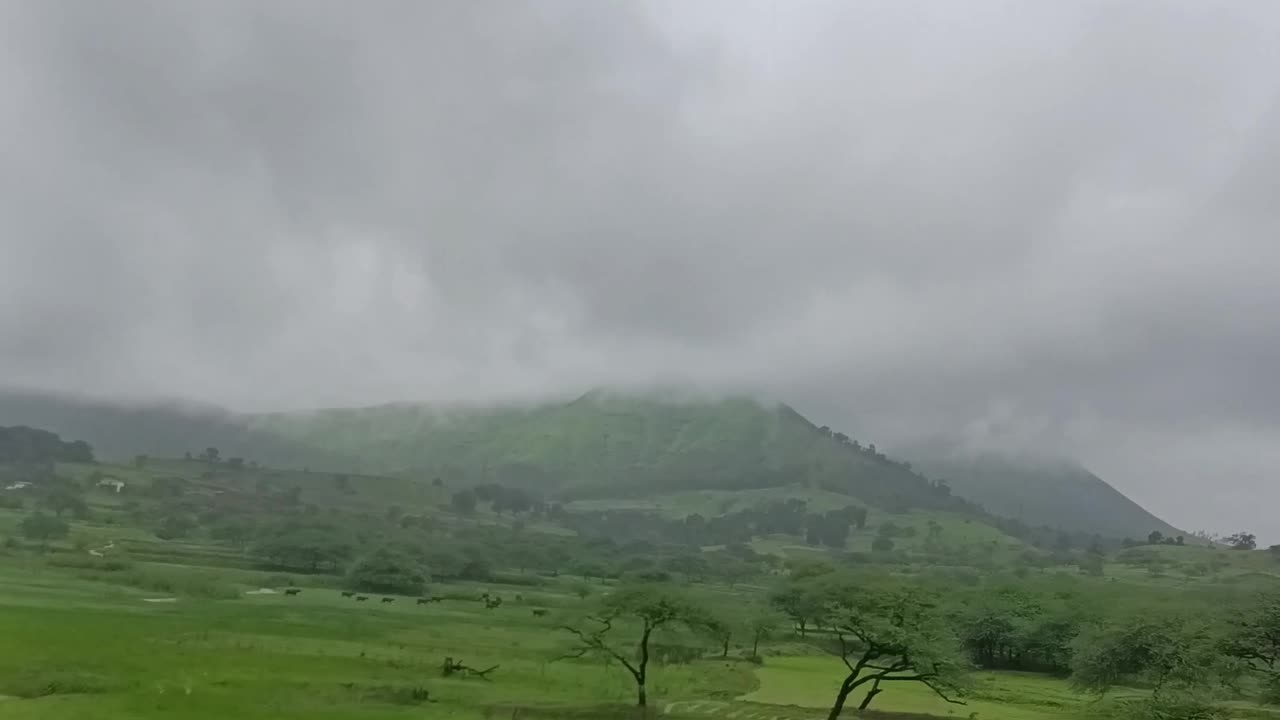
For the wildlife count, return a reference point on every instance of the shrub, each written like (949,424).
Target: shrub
(385,571)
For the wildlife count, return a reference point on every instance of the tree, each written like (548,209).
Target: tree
(762,625)
(38,526)
(236,531)
(720,630)
(308,545)
(175,525)
(891,636)
(1243,541)
(1254,640)
(653,608)
(386,571)
(1177,658)
(63,498)
(1155,538)
(882,544)
(801,602)
(210,455)
(463,502)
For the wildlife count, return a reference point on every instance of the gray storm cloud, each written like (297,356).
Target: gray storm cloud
(1046,225)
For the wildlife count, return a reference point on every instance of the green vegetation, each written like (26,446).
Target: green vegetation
(607,446)
(213,586)
(1040,491)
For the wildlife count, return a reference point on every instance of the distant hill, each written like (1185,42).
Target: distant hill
(121,431)
(602,444)
(1042,491)
(607,443)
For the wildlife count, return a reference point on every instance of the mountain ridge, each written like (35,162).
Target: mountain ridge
(602,442)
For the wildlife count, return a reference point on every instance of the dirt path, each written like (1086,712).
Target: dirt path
(98,552)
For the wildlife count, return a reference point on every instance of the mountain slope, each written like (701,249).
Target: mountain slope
(608,442)
(603,444)
(120,431)
(1044,492)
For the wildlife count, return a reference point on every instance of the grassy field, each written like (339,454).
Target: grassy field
(78,645)
(78,648)
(114,622)
(809,681)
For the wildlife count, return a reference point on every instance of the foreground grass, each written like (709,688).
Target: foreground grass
(71,648)
(810,682)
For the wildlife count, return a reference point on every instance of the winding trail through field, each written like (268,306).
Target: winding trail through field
(98,552)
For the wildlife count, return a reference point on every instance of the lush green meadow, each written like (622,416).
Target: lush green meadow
(209,588)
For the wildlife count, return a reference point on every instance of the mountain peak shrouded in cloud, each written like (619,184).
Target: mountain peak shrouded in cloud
(896,216)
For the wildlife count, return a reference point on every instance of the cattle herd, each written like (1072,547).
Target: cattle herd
(490,600)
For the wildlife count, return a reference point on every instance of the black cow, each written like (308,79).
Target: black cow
(348,593)
(361,598)
(292,591)
(539,613)
(423,601)
(387,600)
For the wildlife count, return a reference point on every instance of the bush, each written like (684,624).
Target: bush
(385,571)
(38,526)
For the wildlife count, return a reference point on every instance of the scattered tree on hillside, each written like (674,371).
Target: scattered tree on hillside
(892,636)
(386,571)
(652,608)
(22,444)
(175,525)
(463,502)
(1255,641)
(63,498)
(1155,538)
(38,526)
(762,625)
(803,603)
(311,546)
(1178,659)
(1243,541)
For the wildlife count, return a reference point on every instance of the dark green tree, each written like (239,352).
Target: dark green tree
(38,526)
(893,636)
(650,609)
(387,571)
(1254,640)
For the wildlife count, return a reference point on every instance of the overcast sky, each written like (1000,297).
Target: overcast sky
(1036,225)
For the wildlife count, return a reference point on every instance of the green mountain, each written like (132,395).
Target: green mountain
(601,445)
(605,443)
(1043,491)
(119,431)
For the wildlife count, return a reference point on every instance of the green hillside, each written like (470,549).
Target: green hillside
(120,431)
(601,445)
(604,443)
(1045,492)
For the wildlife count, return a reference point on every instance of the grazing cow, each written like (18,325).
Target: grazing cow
(423,601)
(361,598)
(539,613)
(348,593)
(387,600)
(292,591)
(493,602)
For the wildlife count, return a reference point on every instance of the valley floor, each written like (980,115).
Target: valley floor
(72,647)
